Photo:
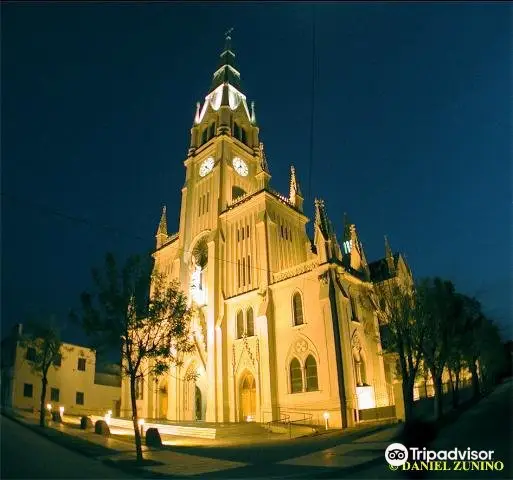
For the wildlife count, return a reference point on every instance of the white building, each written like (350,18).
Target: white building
(283,323)
(74,384)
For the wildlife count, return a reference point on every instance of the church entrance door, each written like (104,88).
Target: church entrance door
(247,398)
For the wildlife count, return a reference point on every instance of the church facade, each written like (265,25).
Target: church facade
(283,325)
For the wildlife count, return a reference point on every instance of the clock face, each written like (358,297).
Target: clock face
(206,167)
(240,166)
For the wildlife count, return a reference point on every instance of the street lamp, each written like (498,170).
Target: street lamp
(49,407)
(61,410)
(141,426)
(326,416)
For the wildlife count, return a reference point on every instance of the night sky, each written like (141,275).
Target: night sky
(412,131)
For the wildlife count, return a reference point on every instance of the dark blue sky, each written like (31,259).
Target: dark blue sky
(412,132)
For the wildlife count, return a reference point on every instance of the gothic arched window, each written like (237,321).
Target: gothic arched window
(296,377)
(211,130)
(236,131)
(297,309)
(250,323)
(243,136)
(311,374)
(237,192)
(204,136)
(240,324)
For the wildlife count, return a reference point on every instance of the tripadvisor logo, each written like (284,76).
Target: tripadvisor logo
(396,454)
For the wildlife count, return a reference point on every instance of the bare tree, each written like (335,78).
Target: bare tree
(401,333)
(136,309)
(44,346)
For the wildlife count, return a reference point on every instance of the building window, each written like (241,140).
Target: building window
(297,307)
(79,400)
(238,273)
(311,374)
(243,269)
(139,388)
(31,354)
(82,364)
(296,380)
(249,269)
(27,390)
(247,231)
(57,361)
(54,394)
(211,130)
(243,136)
(250,323)
(240,324)
(204,136)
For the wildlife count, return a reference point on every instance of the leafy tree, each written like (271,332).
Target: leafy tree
(44,346)
(401,333)
(491,357)
(137,310)
(465,345)
(437,309)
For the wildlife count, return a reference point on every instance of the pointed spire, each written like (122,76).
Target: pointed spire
(263,159)
(389,256)
(347,228)
(253,116)
(388,250)
(293,184)
(197,116)
(162,228)
(295,195)
(227,70)
(321,218)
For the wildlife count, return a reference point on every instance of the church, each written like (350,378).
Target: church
(283,327)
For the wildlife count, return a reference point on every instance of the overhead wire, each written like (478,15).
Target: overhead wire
(50,210)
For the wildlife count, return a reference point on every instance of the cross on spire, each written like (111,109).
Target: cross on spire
(228,38)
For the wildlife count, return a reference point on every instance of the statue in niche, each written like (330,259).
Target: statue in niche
(197,266)
(196,274)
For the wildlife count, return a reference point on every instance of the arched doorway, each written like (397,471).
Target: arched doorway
(247,398)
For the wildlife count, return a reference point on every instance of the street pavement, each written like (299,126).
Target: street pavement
(26,454)
(338,454)
(485,426)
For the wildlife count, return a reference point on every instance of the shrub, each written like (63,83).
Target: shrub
(85,423)
(102,428)
(153,438)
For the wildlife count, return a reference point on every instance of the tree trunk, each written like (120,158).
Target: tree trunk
(138,444)
(475,379)
(439,401)
(42,407)
(408,399)
(408,382)
(456,397)
(453,390)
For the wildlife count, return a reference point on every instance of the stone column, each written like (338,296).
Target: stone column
(211,370)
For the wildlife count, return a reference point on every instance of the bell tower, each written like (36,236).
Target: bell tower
(225,158)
